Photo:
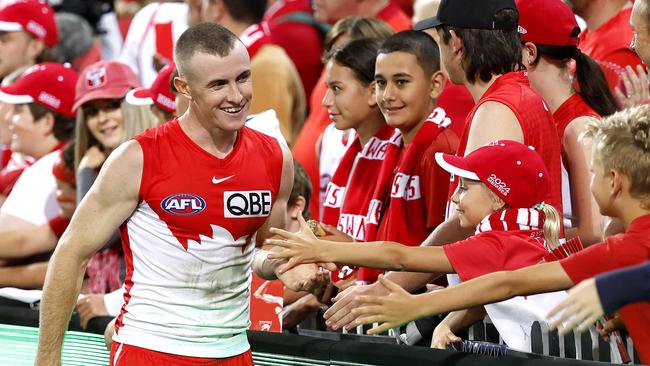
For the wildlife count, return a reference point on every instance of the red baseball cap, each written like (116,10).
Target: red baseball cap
(104,80)
(547,22)
(49,84)
(32,16)
(160,93)
(512,170)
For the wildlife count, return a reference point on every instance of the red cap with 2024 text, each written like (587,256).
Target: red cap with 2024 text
(32,16)
(49,84)
(160,93)
(547,22)
(512,170)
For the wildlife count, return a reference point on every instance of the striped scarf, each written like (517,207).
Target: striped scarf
(512,219)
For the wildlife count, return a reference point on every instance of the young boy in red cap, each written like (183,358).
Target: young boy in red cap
(27,29)
(621,160)
(42,122)
(501,193)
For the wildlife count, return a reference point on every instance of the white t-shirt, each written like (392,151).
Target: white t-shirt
(33,198)
(140,43)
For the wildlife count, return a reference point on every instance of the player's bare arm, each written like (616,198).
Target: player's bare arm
(307,277)
(493,121)
(390,310)
(110,201)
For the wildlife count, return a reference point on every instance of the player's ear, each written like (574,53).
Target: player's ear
(183,87)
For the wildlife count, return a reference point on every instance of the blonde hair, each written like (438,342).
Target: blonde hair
(621,142)
(356,28)
(552,219)
(136,120)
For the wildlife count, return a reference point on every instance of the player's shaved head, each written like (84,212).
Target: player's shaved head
(209,38)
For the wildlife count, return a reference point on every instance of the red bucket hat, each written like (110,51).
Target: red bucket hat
(104,80)
(32,16)
(512,170)
(49,84)
(160,93)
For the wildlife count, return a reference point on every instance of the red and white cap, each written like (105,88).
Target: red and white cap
(49,84)
(104,80)
(160,93)
(512,170)
(32,16)
(547,22)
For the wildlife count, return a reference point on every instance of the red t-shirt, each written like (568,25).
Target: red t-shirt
(457,102)
(494,251)
(304,148)
(302,41)
(609,45)
(616,252)
(395,17)
(513,91)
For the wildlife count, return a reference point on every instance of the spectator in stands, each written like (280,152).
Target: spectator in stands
(621,160)
(151,38)
(501,194)
(160,96)
(343,31)
(76,43)
(41,124)
(12,163)
(294,28)
(27,32)
(331,11)
(277,84)
(351,103)
(21,244)
(547,55)
(103,123)
(604,294)
(608,36)
(480,49)
(636,85)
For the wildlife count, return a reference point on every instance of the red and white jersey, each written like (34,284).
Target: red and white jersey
(188,246)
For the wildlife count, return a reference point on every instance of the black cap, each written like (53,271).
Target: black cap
(470,14)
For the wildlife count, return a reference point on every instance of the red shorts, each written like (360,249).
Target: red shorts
(127,355)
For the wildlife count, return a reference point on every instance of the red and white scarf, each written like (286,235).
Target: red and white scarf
(398,187)
(350,190)
(511,219)
(256,36)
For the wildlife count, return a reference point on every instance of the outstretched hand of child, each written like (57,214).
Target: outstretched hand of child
(390,310)
(580,309)
(300,247)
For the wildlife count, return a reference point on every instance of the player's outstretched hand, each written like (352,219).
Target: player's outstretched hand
(298,248)
(580,309)
(392,310)
(305,277)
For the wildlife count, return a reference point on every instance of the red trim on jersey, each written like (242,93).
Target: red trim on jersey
(128,282)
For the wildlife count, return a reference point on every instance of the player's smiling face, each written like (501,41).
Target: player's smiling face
(221,88)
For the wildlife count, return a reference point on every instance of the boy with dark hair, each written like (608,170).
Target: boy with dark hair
(480,48)
(411,192)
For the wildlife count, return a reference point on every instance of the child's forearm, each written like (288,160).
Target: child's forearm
(387,255)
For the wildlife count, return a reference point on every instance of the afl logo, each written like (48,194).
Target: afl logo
(183,204)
